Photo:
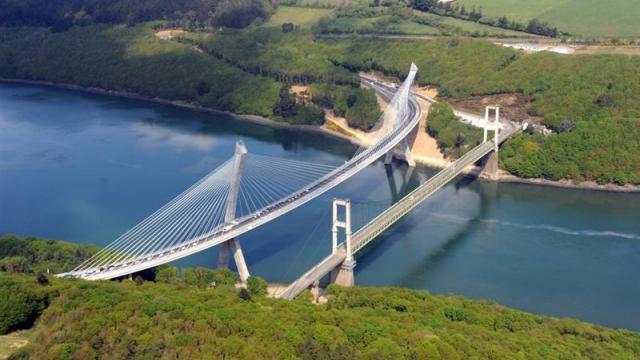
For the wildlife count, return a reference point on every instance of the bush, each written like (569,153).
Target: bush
(244,294)
(20,306)
(257,286)
(454,138)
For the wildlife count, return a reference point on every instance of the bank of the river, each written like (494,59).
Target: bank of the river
(261,120)
(327,131)
(87,167)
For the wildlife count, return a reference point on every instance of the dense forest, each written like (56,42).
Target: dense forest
(63,14)
(198,313)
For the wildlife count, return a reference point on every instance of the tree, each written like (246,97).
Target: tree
(19,308)
(168,274)
(238,13)
(257,286)
(14,264)
(42,279)
(288,27)
(244,294)
(567,126)
(503,22)
(286,107)
(202,88)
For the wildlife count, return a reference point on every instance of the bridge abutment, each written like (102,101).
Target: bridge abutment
(490,166)
(344,274)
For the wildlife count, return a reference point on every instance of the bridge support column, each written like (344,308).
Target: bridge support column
(233,245)
(402,152)
(490,162)
(490,166)
(343,275)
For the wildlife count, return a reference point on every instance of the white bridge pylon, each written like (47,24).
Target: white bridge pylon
(197,219)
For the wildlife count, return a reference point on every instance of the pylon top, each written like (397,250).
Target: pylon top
(241,149)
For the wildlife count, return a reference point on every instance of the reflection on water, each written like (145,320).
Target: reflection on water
(85,168)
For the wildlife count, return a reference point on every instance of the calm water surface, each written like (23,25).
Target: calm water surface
(85,168)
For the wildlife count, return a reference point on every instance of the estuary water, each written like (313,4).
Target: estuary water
(85,168)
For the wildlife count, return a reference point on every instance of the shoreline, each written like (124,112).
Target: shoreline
(503,177)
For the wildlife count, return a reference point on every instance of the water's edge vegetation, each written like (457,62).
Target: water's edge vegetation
(198,313)
(594,112)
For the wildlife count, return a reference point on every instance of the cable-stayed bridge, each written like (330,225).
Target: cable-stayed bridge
(243,193)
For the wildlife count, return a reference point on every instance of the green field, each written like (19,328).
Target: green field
(458,26)
(385,24)
(594,18)
(303,17)
(327,3)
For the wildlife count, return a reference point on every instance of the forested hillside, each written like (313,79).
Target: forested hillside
(198,313)
(592,102)
(33,255)
(62,14)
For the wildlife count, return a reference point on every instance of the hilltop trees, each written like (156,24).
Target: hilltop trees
(34,255)
(238,13)
(62,14)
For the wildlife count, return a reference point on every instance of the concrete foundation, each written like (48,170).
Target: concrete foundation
(490,166)
(401,152)
(343,275)
(233,247)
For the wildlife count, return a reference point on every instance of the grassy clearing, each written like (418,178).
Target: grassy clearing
(612,18)
(385,24)
(11,342)
(329,3)
(458,26)
(302,17)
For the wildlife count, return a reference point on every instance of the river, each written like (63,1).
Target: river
(84,168)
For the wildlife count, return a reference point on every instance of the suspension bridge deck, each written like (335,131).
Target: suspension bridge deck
(387,218)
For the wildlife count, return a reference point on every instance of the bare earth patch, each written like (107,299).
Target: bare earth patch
(512,106)
(423,146)
(428,91)
(168,34)
(11,342)
(621,50)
